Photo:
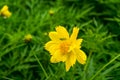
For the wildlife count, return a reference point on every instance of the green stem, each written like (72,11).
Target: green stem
(85,67)
(104,66)
(41,66)
(90,54)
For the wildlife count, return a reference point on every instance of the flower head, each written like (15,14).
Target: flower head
(65,48)
(5,12)
(51,12)
(28,38)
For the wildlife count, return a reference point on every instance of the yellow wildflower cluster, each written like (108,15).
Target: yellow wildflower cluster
(65,48)
(5,12)
(62,46)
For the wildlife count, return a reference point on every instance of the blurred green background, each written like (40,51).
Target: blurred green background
(99,23)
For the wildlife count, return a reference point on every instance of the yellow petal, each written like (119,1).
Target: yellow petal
(75,44)
(52,46)
(71,59)
(74,34)
(81,56)
(7,14)
(57,57)
(5,8)
(54,36)
(78,43)
(62,32)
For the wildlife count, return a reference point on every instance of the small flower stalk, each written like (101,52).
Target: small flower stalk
(65,48)
(5,12)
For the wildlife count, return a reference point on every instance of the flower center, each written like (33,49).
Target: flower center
(64,46)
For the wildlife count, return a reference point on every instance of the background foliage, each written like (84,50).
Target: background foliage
(99,23)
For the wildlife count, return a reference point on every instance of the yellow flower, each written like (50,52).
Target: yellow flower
(51,12)
(65,48)
(28,38)
(5,12)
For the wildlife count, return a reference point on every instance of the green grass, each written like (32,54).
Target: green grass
(99,23)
